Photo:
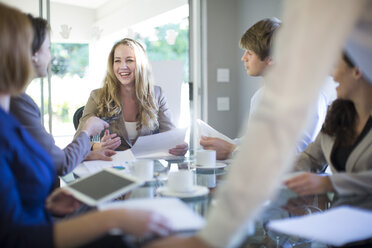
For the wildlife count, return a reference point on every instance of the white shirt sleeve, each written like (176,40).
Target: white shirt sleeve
(307,45)
(315,120)
(254,101)
(314,123)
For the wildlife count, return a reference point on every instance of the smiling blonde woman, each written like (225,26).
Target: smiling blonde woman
(129,99)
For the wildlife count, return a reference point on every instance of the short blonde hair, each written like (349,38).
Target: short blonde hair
(109,95)
(258,38)
(15,50)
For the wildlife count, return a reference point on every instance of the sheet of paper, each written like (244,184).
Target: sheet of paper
(204,129)
(121,160)
(158,143)
(180,216)
(337,226)
(160,155)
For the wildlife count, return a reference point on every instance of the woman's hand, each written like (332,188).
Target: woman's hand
(179,150)
(310,184)
(142,223)
(104,155)
(62,202)
(108,141)
(94,126)
(223,148)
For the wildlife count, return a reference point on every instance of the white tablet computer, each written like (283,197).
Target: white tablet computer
(103,186)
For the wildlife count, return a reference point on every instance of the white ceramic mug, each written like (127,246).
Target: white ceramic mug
(143,169)
(180,181)
(206,158)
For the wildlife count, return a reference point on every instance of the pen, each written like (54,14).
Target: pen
(119,167)
(108,119)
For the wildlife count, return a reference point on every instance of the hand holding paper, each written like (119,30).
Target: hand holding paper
(204,129)
(157,145)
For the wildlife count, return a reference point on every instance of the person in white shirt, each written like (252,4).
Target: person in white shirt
(257,43)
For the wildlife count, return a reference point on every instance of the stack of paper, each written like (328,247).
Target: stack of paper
(337,226)
(121,159)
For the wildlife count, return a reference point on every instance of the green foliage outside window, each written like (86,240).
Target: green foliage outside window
(61,111)
(70,59)
(161,50)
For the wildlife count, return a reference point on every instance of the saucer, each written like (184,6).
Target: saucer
(197,191)
(202,167)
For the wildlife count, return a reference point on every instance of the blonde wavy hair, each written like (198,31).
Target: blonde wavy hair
(109,94)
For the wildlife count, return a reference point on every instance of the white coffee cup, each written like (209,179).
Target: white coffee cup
(180,181)
(143,169)
(206,158)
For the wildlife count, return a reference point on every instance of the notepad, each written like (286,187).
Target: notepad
(337,226)
(121,160)
(180,216)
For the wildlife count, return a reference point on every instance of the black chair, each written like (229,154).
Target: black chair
(77,116)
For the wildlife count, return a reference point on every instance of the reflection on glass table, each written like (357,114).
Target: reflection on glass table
(286,204)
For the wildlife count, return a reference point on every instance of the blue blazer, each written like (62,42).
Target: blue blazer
(27,175)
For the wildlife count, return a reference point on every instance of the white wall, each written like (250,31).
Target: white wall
(121,14)
(221,53)
(27,6)
(226,23)
(78,18)
(249,12)
(168,75)
(112,17)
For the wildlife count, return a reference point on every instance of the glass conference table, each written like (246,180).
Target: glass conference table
(285,205)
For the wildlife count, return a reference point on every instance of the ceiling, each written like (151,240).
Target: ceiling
(91,4)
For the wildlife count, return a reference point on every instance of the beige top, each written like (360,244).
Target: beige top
(357,177)
(118,126)
(131,130)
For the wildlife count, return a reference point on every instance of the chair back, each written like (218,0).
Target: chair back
(77,116)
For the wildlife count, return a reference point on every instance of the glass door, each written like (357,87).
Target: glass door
(82,34)
(38,89)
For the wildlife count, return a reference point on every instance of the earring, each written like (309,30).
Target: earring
(35,59)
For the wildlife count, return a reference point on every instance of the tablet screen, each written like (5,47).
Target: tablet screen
(101,184)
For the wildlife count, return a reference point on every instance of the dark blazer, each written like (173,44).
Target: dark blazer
(357,178)
(118,126)
(28,114)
